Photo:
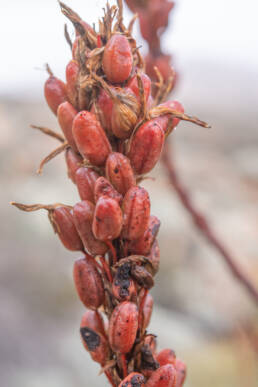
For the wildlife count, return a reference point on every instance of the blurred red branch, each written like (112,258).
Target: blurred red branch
(203,226)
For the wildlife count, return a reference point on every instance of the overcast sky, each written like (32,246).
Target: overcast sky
(223,31)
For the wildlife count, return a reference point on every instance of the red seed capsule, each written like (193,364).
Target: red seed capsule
(144,243)
(107,223)
(90,138)
(85,179)
(180,373)
(166,356)
(165,121)
(104,188)
(93,320)
(123,327)
(136,208)
(154,257)
(117,59)
(88,283)
(133,85)
(95,344)
(146,147)
(123,286)
(104,107)
(119,172)
(73,162)
(55,92)
(147,310)
(133,380)
(65,114)
(83,214)
(165,376)
(65,228)
(72,76)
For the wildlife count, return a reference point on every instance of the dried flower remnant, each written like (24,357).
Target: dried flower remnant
(114,137)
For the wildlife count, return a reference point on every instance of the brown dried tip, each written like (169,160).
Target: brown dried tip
(161,110)
(36,207)
(51,156)
(49,132)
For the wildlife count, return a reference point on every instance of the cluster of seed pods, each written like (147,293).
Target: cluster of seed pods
(113,135)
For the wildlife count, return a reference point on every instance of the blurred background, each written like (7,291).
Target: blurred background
(201,311)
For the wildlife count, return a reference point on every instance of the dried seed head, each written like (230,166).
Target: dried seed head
(117,59)
(88,283)
(83,215)
(90,138)
(65,114)
(85,179)
(123,327)
(107,223)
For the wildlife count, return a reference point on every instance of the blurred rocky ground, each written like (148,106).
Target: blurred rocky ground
(201,311)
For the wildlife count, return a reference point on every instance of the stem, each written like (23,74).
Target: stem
(49,132)
(113,251)
(203,226)
(110,378)
(124,365)
(106,269)
(51,156)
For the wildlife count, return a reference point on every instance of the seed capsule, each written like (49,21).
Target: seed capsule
(180,373)
(107,223)
(55,92)
(65,228)
(123,327)
(72,76)
(104,106)
(119,172)
(83,214)
(123,287)
(65,114)
(136,208)
(165,376)
(73,162)
(90,138)
(93,320)
(85,179)
(88,283)
(117,59)
(104,188)
(142,276)
(133,380)
(146,147)
(95,344)
(147,310)
(133,85)
(154,257)
(165,121)
(144,243)
(166,356)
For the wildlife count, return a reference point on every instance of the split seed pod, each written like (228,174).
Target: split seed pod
(104,188)
(65,114)
(96,344)
(64,226)
(146,147)
(83,214)
(55,92)
(117,59)
(73,162)
(133,380)
(107,223)
(123,327)
(88,283)
(165,376)
(166,356)
(119,172)
(144,243)
(90,138)
(123,286)
(136,208)
(85,179)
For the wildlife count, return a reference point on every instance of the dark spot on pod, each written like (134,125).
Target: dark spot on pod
(90,337)
(147,359)
(133,380)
